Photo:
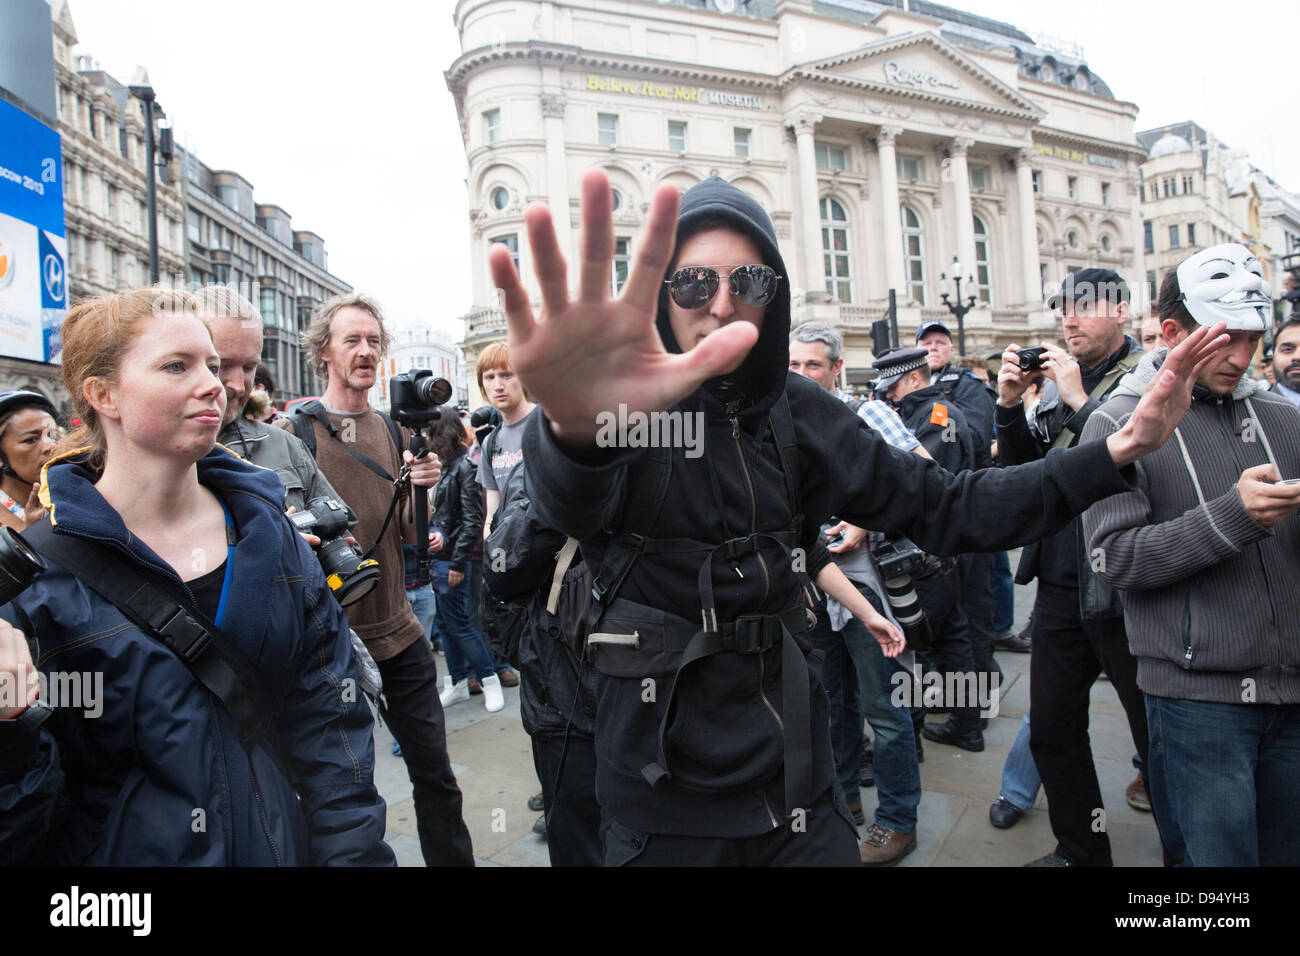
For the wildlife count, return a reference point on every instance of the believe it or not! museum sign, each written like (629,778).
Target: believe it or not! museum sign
(1076,156)
(675,93)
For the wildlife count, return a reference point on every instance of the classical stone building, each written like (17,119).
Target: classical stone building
(885,143)
(421,347)
(1198,192)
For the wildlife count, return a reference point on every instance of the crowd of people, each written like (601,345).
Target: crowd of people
(701,635)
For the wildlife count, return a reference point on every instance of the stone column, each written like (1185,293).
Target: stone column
(891,226)
(1028,229)
(810,232)
(963,223)
(557,180)
(1137,282)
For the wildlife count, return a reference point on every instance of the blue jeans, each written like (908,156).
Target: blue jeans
(423,605)
(467,652)
(1020,780)
(898,776)
(474,578)
(1224,781)
(1004,594)
(841,684)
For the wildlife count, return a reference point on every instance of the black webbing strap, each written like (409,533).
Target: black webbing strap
(787,450)
(212,658)
(316,411)
(754,634)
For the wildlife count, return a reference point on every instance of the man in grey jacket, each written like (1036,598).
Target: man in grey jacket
(236,328)
(1206,552)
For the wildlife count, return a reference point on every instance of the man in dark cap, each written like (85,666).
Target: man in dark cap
(1078,622)
(713,743)
(938,424)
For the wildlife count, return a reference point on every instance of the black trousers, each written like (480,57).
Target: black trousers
(952,651)
(1069,653)
(414,715)
(825,836)
(572,813)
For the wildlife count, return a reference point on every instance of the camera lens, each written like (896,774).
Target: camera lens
(433,391)
(349,577)
(19,565)
(907,610)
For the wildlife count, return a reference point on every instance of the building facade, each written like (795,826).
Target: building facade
(231,239)
(892,148)
(1197,192)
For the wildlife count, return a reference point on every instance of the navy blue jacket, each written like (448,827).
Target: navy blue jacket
(160,777)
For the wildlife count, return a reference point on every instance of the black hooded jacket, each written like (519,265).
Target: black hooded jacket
(726,733)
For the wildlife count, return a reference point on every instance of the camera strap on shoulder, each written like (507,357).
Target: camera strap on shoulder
(1108,381)
(315,411)
(214,660)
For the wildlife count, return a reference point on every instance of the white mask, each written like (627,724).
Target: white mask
(1226,284)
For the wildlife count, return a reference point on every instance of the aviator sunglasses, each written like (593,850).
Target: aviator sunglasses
(695,286)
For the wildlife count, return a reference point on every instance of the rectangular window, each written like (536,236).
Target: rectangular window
(1189,183)
(90,118)
(192,226)
(676,136)
(1151,285)
(909,168)
(491,126)
(1168,185)
(831,157)
(1191,234)
(980,177)
(622,263)
(1148,241)
(110,202)
(121,140)
(511,242)
(1072,186)
(144,215)
(1173,237)
(1105,194)
(607,129)
(740,138)
(1038,183)
(114,264)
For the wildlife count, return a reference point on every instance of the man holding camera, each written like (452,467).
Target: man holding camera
(1078,626)
(347,341)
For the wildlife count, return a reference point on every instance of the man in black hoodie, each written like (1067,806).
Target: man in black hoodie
(712,730)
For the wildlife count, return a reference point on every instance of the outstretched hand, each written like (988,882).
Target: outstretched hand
(589,354)
(1167,397)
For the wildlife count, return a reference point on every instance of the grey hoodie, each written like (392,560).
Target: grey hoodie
(1211,598)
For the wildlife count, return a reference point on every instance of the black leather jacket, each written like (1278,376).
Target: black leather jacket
(458,511)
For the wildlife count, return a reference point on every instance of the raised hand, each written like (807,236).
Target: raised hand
(589,354)
(1167,397)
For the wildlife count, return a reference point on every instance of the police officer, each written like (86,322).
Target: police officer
(963,389)
(943,429)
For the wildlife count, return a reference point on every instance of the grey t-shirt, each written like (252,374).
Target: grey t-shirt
(507,451)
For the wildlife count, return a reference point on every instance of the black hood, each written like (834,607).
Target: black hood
(761,376)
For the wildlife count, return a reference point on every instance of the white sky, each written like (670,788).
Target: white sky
(339,113)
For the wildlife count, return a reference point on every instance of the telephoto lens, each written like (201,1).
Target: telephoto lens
(19,565)
(349,575)
(907,610)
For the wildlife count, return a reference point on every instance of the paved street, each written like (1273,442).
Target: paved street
(493,762)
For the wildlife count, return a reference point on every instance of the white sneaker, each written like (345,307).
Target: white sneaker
(493,697)
(453,693)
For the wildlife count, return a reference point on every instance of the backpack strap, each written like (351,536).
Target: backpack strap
(316,411)
(214,660)
(1122,367)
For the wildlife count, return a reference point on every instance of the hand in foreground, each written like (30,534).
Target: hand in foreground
(34,511)
(454,577)
(425,471)
(1167,397)
(853,537)
(1063,369)
(18,680)
(311,539)
(1012,382)
(891,640)
(1269,502)
(586,355)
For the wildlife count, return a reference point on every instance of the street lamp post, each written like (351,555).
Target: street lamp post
(143,91)
(958,309)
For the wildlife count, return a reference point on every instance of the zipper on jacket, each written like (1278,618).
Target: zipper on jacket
(761,693)
(770,815)
(753,507)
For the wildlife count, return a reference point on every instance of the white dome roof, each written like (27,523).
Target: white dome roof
(1168,144)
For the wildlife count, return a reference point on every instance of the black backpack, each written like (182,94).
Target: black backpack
(304,414)
(529,568)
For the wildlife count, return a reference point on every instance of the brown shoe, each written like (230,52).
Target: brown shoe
(474,686)
(1136,795)
(885,847)
(508,678)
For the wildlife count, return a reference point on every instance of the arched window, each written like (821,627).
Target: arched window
(835,250)
(983,263)
(913,254)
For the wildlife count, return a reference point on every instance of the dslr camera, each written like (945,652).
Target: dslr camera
(900,561)
(1031,360)
(349,575)
(414,397)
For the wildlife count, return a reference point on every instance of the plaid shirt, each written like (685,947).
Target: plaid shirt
(884,420)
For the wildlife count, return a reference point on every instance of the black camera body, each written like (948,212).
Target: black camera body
(414,397)
(1031,360)
(349,575)
(897,556)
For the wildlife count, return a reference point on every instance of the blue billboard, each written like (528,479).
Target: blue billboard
(33,243)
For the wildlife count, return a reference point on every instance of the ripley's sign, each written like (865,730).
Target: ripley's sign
(911,76)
